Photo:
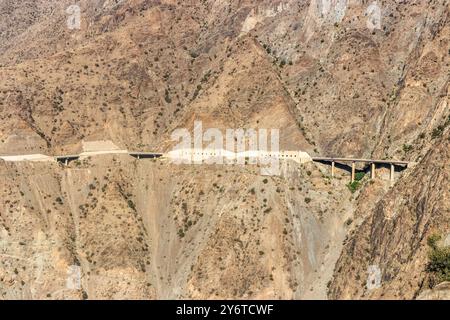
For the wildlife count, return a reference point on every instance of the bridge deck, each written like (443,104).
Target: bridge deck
(158,155)
(145,153)
(394,162)
(69,156)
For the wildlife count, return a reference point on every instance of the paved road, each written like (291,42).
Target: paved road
(394,162)
(28,157)
(42,157)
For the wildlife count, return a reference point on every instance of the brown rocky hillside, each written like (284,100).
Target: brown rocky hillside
(136,70)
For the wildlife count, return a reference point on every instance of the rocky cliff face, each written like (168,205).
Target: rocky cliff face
(392,241)
(338,78)
(135,70)
(111,227)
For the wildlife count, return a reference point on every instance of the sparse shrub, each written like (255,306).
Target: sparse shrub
(353,186)
(439,261)
(167,96)
(193,54)
(437,132)
(267,210)
(85,295)
(407,148)
(433,239)
(131,204)
(359,176)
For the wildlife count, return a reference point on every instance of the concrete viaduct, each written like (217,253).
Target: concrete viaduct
(297,156)
(393,164)
(65,159)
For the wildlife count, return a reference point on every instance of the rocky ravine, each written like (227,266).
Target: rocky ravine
(138,69)
(395,233)
(149,229)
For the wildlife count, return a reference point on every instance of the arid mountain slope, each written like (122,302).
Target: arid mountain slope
(138,69)
(395,234)
(148,229)
(336,80)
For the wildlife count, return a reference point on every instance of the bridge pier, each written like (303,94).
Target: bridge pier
(64,160)
(392,164)
(353,171)
(391,176)
(145,155)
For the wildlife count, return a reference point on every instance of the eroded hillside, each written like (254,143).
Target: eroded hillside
(336,82)
(150,229)
(395,235)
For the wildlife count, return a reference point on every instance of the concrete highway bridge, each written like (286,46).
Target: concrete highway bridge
(393,165)
(65,159)
(296,156)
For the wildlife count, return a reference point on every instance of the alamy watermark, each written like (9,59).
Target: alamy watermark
(373,14)
(73,281)
(74,19)
(334,10)
(231,146)
(373,278)
(331,9)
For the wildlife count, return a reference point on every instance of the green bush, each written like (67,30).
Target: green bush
(407,148)
(439,261)
(353,186)
(359,176)
(131,205)
(437,132)
(433,240)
